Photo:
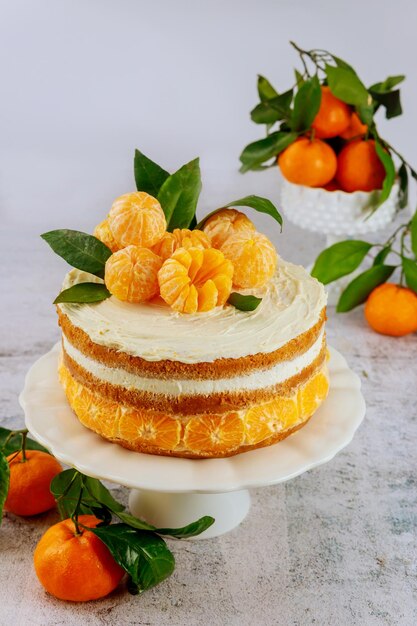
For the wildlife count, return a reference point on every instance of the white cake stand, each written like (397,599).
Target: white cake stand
(171,492)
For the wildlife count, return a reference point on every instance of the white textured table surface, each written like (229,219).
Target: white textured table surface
(336,546)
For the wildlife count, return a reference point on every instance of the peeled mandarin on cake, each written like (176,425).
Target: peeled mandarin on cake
(254,258)
(195,280)
(131,274)
(180,238)
(102,232)
(224,223)
(136,219)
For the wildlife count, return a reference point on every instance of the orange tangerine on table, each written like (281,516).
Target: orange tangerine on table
(253,256)
(392,310)
(180,238)
(355,129)
(359,167)
(224,223)
(136,219)
(195,279)
(214,433)
(29,492)
(131,274)
(102,232)
(333,116)
(308,162)
(76,567)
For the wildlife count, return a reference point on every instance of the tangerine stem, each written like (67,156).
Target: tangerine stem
(24,437)
(74,516)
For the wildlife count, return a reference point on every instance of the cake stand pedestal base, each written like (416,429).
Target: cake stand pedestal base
(173,510)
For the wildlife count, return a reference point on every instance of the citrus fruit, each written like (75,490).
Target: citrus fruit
(308,162)
(264,420)
(29,492)
(355,129)
(180,238)
(332,186)
(214,433)
(155,429)
(333,116)
(195,279)
(253,256)
(136,219)
(392,310)
(224,223)
(131,274)
(102,232)
(76,567)
(311,395)
(359,167)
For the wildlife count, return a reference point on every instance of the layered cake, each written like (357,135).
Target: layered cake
(169,364)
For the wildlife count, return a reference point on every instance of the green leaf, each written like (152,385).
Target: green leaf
(345,84)
(366,114)
(179,195)
(84,292)
(149,176)
(14,442)
(66,487)
(388,84)
(410,273)
(244,303)
(382,255)
(403,176)
(390,100)
(83,251)
(262,205)
(299,78)
(101,494)
(260,151)
(339,260)
(341,63)
(272,111)
(191,530)
(389,167)
(4,482)
(143,555)
(413,231)
(265,90)
(359,289)
(306,104)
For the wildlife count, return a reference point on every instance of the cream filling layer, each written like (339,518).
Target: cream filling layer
(291,305)
(260,379)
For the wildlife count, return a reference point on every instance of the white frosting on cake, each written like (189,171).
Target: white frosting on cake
(291,304)
(258,379)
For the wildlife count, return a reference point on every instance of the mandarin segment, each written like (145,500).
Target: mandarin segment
(312,394)
(131,274)
(263,421)
(224,223)
(180,238)
(196,279)
(136,219)
(150,428)
(254,258)
(214,433)
(102,232)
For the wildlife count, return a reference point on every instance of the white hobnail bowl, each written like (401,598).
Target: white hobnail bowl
(336,212)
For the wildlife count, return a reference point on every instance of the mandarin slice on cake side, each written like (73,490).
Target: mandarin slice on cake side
(224,223)
(149,428)
(254,258)
(136,219)
(195,280)
(312,394)
(131,274)
(264,420)
(214,434)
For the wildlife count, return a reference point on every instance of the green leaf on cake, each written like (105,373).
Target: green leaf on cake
(4,482)
(339,260)
(262,205)
(345,84)
(306,104)
(143,555)
(179,195)
(10,443)
(83,251)
(83,292)
(410,273)
(243,302)
(359,289)
(260,151)
(149,176)
(389,167)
